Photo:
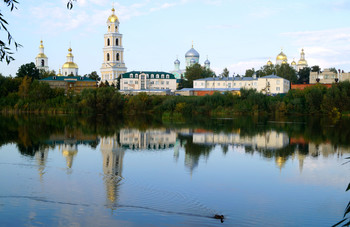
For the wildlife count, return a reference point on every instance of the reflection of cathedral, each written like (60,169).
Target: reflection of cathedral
(150,139)
(113,156)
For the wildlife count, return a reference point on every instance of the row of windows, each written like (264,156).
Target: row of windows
(228,84)
(131,88)
(152,82)
(152,76)
(116,28)
(116,42)
(117,56)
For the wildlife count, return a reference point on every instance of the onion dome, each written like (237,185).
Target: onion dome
(281,57)
(302,62)
(269,63)
(293,62)
(207,62)
(41,54)
(69,64)
(284,62)
(192,53)
(113,18)
(177,62)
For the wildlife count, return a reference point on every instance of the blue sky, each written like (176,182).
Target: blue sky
(235,34)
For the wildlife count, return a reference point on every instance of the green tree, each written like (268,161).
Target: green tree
(315,68)
(94,76)
(44,74)
(194,72)
(287,72)
(29,70)
(23,90)
(333,70)
(249,72)
(225,73)
(304,75)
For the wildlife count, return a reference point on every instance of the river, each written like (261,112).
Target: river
(142,171)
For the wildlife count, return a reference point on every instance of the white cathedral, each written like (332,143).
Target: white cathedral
(191,57)
(282,59)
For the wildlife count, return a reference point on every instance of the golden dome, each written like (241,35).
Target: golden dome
(284,62)
(302,62)
(293,63)
(281,57)
(70,65)
(41,55)
(41,44)
(113,18)
(269,63)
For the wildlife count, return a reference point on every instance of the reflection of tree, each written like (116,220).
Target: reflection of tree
(193,151)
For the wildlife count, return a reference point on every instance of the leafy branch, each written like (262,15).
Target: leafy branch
(5,51)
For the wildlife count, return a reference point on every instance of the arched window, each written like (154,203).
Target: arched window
(116,28)
(108,42)
(107,56)
(116,42)
(42,62)
(117,56)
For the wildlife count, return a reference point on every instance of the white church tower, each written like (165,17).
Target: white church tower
(41,61)
(70,68)
(113,52)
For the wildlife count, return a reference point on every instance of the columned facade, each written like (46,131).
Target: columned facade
(113,52)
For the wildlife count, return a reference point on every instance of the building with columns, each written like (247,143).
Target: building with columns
(113,52)
(41,60)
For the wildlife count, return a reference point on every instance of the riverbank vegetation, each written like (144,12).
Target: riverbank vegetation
(25,95)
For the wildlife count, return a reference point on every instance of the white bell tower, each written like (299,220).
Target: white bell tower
(41,61)
(113,52)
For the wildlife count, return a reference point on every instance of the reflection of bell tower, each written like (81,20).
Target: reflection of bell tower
(280,161)
(301,158)
(69,151)
(41,158)
(113,156)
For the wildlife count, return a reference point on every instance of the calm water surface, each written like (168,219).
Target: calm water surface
(74,171)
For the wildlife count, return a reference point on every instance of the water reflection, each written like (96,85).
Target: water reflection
(113,155)
(191,146)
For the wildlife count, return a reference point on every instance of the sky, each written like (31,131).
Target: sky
(237,34)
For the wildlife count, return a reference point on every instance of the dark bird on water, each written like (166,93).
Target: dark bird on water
(221,217)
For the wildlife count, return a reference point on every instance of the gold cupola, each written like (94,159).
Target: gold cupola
(41,50)
(281,57)
(70,63)
(269,63)
(113,18)
(293,62)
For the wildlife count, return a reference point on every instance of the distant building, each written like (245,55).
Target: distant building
(268,84)
(191,57)
(282,59)
(147,80)
(41,60)
(328,77)
(70,83)
(113,52)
